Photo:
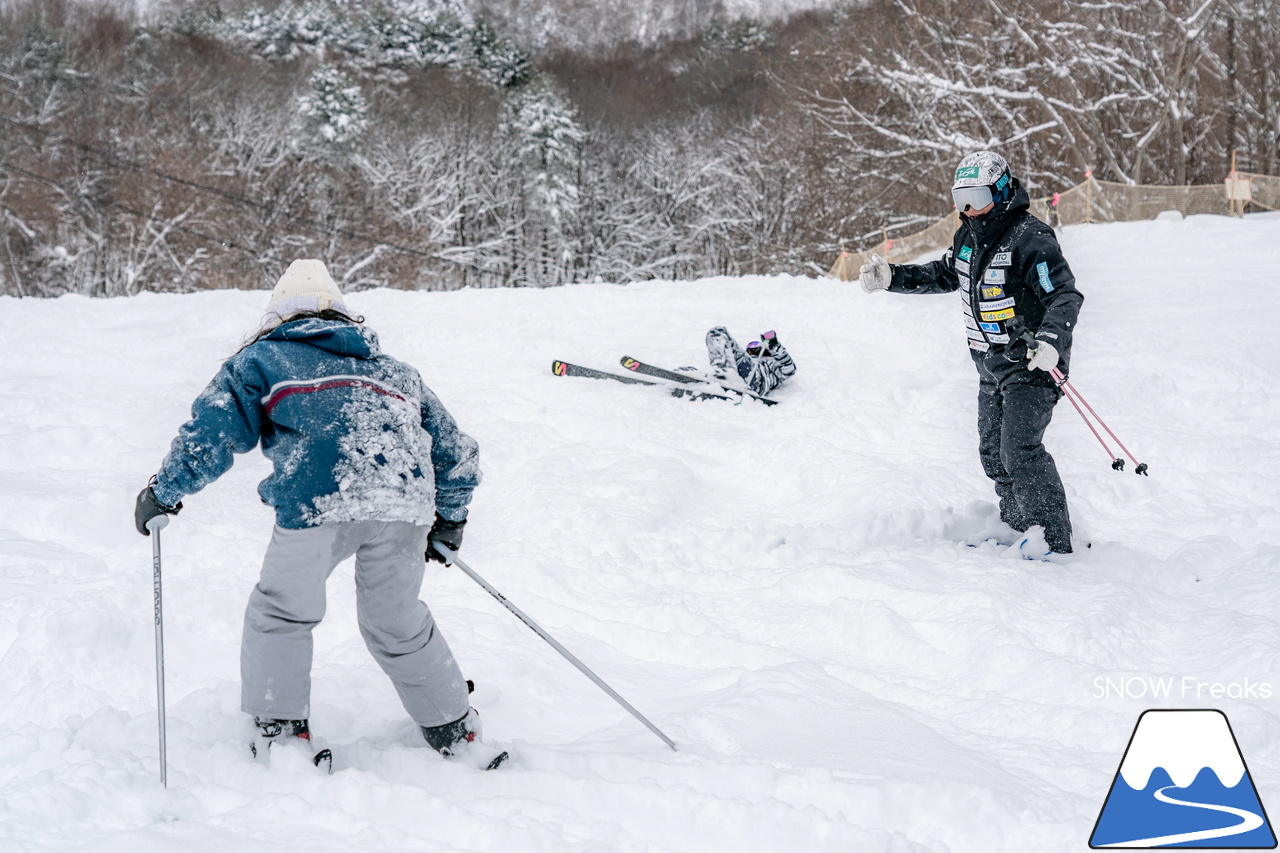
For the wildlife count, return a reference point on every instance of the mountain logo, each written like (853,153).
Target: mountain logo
(1183,783)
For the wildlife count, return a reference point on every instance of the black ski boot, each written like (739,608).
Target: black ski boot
(461,739)
(287,731)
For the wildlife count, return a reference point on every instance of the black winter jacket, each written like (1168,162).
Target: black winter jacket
(1006,264)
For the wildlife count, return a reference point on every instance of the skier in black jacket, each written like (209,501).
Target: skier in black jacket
(1010,272)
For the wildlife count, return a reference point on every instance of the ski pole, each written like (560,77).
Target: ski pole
(1117,464)
(452,557)
(155,525)
(1067,386)
(1017,329)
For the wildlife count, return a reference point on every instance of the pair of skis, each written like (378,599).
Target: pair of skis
(694,386)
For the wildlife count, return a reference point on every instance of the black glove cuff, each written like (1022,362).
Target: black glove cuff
(443,524)
(444,532)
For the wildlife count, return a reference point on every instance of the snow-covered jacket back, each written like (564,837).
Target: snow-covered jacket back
(353,434)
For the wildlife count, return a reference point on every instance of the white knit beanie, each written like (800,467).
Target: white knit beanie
(305,286)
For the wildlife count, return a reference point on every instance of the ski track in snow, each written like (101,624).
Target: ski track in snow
(783,590)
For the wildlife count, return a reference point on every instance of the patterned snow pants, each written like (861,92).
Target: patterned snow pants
(761,373)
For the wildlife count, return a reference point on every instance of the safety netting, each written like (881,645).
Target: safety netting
(1090,201)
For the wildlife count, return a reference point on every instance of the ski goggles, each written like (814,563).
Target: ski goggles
(971,197)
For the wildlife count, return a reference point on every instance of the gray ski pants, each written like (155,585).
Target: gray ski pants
(289,601)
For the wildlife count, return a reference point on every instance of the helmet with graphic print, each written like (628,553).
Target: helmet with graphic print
(981,178)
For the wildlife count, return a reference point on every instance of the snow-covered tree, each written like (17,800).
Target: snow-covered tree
(1253,34)
(286,31)
(499,59)
(372,36)
(543,130)
(334,111)
(398,39)
(740,36)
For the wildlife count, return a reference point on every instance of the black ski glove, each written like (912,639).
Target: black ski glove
(447,533)
(148,507)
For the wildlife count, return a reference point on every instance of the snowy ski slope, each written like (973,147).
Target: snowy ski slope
(786,591)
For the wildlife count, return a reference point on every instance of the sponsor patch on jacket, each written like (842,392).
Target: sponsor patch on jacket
(992,327)
(998,339)
(993,292)
(974,335)
(962,267)
(970,323)
(980,346)
(997,305)
(1002,259)
(964,294)
(965,253)
(993,277)
(1042,269)
(992,316)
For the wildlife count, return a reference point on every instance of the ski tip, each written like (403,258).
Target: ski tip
(630,363)
(559,368)
(498,761)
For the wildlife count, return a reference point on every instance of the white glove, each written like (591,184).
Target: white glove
(1043,357)
(875,275)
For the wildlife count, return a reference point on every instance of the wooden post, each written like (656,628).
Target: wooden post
(1088,194)
(1231,196)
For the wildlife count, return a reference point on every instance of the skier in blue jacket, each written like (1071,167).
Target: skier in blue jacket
(367,463)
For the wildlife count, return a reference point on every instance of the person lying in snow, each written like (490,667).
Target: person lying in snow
(367,463)
(763,366)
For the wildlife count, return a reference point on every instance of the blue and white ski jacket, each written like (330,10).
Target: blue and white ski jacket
(354,435)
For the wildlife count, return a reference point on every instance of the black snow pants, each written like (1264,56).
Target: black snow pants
(1015,406)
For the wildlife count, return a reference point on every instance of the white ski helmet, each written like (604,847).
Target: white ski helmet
(981,178)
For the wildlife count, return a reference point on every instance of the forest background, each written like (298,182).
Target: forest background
(179,146)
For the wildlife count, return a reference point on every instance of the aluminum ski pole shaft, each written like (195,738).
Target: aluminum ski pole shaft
(452,557)
(155,525)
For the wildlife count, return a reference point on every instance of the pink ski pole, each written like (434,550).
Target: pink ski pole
(1077,400)
(1073,395)
(1117,464)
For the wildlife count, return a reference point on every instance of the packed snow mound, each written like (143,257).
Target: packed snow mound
(787,591)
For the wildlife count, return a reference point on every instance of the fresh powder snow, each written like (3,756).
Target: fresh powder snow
(788,592)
